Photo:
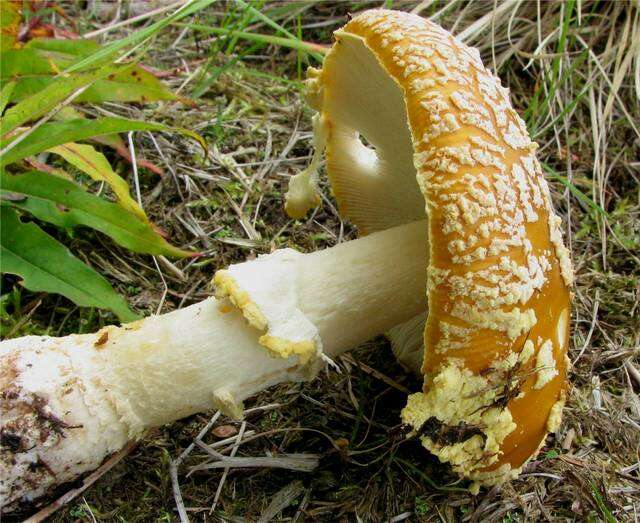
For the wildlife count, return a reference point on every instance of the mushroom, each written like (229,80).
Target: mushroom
(401,101)
(458,242)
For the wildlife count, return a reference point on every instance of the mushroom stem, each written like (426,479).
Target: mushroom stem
(69,402)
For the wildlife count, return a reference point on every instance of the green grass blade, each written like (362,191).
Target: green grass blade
(427,479)
(64,203)
(107,53)
(258,15)
(602,506)
(205,83)
(240,24)
(531,110)
(315,50)
(552,79)
(46,265)
(248,71)
(574,190)
(317,55)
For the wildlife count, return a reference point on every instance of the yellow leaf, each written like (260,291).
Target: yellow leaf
(10,19)
(94,163)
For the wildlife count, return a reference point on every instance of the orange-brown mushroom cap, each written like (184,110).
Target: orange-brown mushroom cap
(499,276)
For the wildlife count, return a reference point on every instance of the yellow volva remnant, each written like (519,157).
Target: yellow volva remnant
(456,396)
(227,287)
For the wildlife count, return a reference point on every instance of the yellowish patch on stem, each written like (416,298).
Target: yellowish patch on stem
(227,287)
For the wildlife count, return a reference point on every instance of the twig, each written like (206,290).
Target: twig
(136,183)
(298,462)
(70,495)
(633,372)
(594,317)
(226,470)
(177,494)
(199,437)
(174,464)
(302,506)
(281,500)
(376,373)
(23,320)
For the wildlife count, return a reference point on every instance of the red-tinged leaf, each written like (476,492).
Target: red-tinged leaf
(117,144)
(39,166)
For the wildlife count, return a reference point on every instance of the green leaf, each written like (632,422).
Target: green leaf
(35,68)
(94,163)
(46,265)
(131,84)
(56,133)
(32,63)
(78,47)
(601,504)
(46,99)
(5,95)
(66,204)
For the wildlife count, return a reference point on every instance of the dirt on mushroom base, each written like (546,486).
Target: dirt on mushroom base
(244,112)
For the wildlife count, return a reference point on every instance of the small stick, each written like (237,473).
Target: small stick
(633,372)
(376,374)
(70,495)
(177,494)
(174,464)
